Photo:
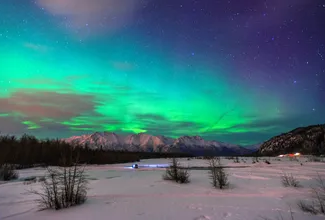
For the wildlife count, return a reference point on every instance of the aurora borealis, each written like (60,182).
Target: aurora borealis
(233,71)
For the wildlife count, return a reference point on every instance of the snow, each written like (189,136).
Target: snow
(119,193)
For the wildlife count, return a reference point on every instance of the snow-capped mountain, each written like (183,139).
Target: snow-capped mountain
(148,143)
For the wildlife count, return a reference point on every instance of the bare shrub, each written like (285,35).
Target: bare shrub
(236,160)
(306,207)
(218,176)
(317,204)
(255,159)
(288,180)
(213,165)
(176,173)
(183,176)
(7,172)
(172,171)
(63,187)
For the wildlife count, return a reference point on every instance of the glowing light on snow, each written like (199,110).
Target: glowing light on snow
(148,166)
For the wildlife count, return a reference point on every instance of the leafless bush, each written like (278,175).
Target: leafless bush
(218,176)
(7,172)
(255,159)
(63,187)
(176,173)
(236,160)
(183,176)
(317,204)
(306,207)
(213,165)
(288,180)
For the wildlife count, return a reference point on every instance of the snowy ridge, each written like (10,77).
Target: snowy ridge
(307,140)
(148,143)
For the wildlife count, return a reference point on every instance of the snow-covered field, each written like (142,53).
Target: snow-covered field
(120,193)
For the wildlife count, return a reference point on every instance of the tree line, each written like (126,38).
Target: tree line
(27,151)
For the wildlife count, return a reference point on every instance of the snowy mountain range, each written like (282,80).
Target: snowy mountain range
(148,143)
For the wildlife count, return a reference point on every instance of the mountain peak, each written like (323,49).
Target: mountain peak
(149,143)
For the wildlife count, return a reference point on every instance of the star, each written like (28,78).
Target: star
(157,67)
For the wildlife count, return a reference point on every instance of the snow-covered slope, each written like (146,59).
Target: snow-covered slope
(117,192)
(307,140)
(150,143)
(104,140)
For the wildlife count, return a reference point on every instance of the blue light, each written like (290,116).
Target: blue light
(136,166)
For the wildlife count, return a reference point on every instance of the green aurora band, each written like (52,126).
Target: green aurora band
(129,90)
(56,83)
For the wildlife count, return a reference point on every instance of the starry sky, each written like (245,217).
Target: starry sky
(227,70)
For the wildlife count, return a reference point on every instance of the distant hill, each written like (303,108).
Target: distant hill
(149,143)
(306,140)
(254,147)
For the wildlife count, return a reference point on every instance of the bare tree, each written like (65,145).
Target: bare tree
(176,173)
(63,187)
(217,174)
(7,172)
(288,180)
(236,160)
(317,204)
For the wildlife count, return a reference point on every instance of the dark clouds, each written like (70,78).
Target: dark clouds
(10,125)
(44,109)
(45,104)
